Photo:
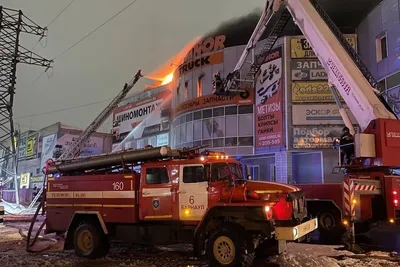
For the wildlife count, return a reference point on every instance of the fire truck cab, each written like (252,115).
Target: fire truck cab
(176,196)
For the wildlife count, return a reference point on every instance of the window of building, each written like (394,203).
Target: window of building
(231,141)
(197,130)
(218,125)
(157,176)
(186,91)
(393,80)
(218,112)
(218,142)
(189,117)
(193,174)
(200,85)
(245,141)
(231,110)
(207,113)
(246,125)
(231,126)
(381,47)
(189,132)
(245,109)
(207,128)
(197,115)
(382,85)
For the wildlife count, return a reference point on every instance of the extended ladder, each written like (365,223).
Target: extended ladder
(74,150)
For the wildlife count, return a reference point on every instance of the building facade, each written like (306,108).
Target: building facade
(379,48)
(36,147)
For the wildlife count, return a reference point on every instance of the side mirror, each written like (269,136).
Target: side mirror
(249,177)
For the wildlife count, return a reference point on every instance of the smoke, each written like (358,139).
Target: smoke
(237,30)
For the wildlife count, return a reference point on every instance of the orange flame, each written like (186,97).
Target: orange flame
(167,79)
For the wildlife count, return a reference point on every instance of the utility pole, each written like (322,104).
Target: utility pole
(12,24)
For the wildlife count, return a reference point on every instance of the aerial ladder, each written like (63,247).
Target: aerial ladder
(75,148)
(374,173)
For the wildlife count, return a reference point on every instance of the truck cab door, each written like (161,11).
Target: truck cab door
(193,192)
(155,194)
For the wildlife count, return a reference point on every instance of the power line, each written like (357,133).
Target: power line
(87,35)
(54,19)
(62,109)
(96,29)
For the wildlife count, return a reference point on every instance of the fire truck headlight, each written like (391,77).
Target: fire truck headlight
(187,212)
(345,222)
(354,201)
(391,220)
(202,158)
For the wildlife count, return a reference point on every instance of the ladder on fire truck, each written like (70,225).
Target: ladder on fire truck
(74,150)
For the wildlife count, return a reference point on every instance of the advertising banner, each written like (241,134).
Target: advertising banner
(312,92)
(317,137)
(212,101)
(31,146)
(300,48)
(94,146)
(22,148)
(318,114)
(25,180)
(143,118)
(307,70)
(48,145)
(163,139)
(269,106)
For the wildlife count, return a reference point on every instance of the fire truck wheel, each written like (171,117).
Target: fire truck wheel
(90,241)
(228,247)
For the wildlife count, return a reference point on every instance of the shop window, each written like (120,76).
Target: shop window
(382,85)
(218,142)
(231,141)
(196,143)
(197,130)
(189,117)
(381,47)
(207,128)
(245,109)
(246,141)
(182,133)
(157,176)
(393,80)
(232,110)
(197,115)
(193,174)
(231,126)
(218,127)
(246,125)
(189,131)
(207,113)
(207,142)
(218,112)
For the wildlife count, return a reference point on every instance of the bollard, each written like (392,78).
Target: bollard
(1,215)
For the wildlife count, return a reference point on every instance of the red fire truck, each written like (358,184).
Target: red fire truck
(178,196)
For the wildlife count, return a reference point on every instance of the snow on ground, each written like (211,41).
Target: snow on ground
(13,254)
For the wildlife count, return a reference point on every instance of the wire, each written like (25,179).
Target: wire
(54,19)
(96,29)
(63,109)
(87,35)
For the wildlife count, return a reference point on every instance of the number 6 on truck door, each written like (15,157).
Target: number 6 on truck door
(193,194)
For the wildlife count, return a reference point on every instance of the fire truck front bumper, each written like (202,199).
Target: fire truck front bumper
(293,233)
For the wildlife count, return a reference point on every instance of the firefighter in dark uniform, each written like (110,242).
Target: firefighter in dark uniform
(346,147)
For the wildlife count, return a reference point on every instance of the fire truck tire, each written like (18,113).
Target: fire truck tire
(90,241)
(228,247)
(329,227)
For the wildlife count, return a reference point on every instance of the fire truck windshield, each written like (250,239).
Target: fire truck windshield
(236,170)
